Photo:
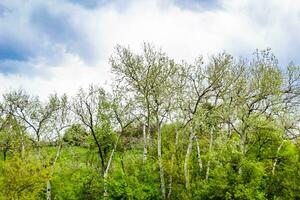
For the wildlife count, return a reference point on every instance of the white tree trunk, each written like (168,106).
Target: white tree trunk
(210,147)
(243,143)
(48,188)
(109,164)
(243,148)
(22,149)
(111,157)
(198,153)
(172,164)
(48,191)
(276,159)
(145,143)
(186,161)
(161,168)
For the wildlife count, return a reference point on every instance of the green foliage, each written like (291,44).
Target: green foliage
(76,135)
(227,129)
(131,179)
(23,178)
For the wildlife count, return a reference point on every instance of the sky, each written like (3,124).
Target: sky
(62,45)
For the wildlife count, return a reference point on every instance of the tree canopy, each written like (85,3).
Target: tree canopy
(227,128)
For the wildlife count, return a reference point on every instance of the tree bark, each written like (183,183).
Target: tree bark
(186,161)
(38,146)
(276,159)
(49,186)
(161,168)
(243,143)
(108,165)
(198,153)
(22,149)
(210,148)
(48,191)
(172,165)
(243,148)
(145,143)
(111,157)
(99,149)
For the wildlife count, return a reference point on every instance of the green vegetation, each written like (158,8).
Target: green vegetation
(227,129)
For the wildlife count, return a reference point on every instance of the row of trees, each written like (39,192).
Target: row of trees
(223,130)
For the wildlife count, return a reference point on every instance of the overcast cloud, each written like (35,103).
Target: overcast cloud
(61,45)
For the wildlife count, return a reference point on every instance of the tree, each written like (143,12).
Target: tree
(32,114)
(152,79)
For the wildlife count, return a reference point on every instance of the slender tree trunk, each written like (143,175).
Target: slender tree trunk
(99,149)
(4,155)
(198,154)
(111,157)
(243,148)
(229,130)
(161,168)
(122,163)
(108,166)
(145,143)
(210,148)
(38,146)
(48,191)
(49,186)
(186,161)
(243,143)
(22,149)
(276,159)
(146,132)
(172,164)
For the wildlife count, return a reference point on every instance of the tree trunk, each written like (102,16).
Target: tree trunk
(111,157)
(210,147)
(48,188)
(48,191)
(145,143)
(122,163)
(38,146)
(172,165)
(198,153)
(161,168)
(243,143)
(4,155)
(101,157)
(243,148)
(108,166)
(229,130)
(276,159)
(186,161)
(22,149)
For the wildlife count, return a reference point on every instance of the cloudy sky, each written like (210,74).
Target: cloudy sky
(61,45)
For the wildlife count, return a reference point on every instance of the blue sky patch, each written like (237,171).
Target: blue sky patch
(201,5)
(11,49)
(90,4)
(17,67)
(3,10)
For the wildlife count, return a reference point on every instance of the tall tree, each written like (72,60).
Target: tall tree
(151,77)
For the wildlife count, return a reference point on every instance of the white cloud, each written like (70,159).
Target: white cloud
(237,26)
(65,78)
